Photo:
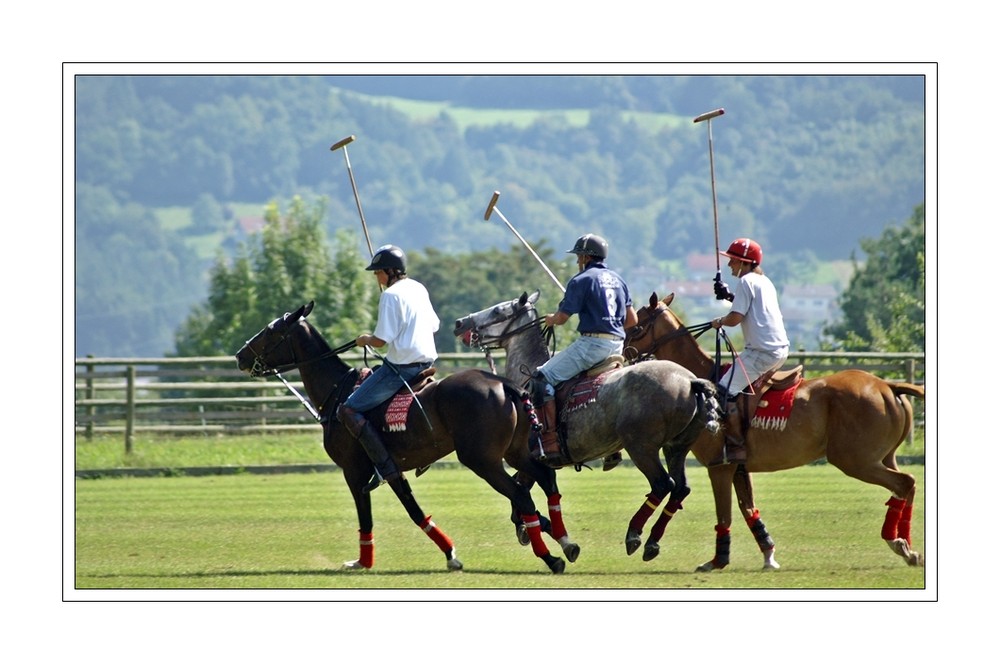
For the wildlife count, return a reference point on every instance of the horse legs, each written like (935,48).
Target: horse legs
(402,490)
(744,496)
(545,477)
(520,498)
(722,478)
(896,529)
(896,525)
(366,543)
(675,466)
(515,517)
(660,484)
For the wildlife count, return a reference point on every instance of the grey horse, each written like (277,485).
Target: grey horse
(646,409)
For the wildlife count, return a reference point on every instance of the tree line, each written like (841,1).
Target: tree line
(805,164)
(291,262)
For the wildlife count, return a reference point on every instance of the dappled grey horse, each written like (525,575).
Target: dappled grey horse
(648,409)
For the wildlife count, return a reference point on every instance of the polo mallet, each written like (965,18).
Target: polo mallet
(342,143)
(707,117)
(489,211)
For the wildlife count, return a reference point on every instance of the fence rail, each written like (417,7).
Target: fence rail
(131,395)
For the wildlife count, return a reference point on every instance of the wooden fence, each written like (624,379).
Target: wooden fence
(209,395)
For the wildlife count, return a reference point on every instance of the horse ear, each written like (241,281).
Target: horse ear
(668,299)
(307,309)
(534,297)
(652,300)
(523,300)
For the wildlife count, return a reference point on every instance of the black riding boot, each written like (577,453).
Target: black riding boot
(386,469)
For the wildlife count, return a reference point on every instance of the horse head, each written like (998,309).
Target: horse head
(269,349)
(660,334)
(492,326)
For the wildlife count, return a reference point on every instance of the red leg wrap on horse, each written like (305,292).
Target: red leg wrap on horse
(534,528)
(890,527)
(555,516)
(646,511)
(367,546)
(656,534)
(443,541)
(903,529)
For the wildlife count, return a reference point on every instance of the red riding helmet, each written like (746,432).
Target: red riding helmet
(746,250)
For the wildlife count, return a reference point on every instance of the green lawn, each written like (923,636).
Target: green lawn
(293,531)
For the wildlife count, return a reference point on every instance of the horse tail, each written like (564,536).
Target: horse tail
(908,389)
(708,404)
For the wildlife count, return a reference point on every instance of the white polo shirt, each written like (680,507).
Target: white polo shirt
(763,327)
(407,323)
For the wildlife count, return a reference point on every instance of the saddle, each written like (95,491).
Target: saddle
(392,414)
(777,380)
(582,389)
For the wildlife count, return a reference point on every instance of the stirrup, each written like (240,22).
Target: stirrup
(375,482)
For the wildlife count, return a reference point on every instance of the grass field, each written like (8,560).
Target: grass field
(148,451)
(293,531)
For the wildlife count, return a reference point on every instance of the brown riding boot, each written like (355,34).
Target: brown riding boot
(734,446)
(545,446)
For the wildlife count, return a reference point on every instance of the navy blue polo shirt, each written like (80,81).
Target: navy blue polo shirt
(600,298)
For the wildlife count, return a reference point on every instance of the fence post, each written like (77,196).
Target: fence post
(89,394)
(129,408)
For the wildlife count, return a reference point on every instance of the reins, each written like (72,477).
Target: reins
(262,369)
(495,342)
(694,330)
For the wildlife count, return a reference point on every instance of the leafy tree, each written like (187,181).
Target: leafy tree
(287,264)
(884,304)
(463,284)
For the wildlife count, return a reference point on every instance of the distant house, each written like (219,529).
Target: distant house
(693,296)
(250,225)
(807,309)
(703,265)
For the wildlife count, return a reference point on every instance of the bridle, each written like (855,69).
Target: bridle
(488,343)
(644,327)
(261,368)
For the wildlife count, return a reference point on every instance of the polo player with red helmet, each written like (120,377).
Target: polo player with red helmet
(755,309)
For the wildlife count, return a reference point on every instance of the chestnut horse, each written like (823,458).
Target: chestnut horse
(853,418)
(436,424)
(646,409)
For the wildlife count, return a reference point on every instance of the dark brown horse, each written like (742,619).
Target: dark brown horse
(853,418)
(646,409)
(437,423)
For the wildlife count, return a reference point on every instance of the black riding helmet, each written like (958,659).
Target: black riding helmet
(388,257)
(590,245)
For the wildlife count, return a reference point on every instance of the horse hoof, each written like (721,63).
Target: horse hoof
(572,551)
(651,551)
(710,566)
(557,565)
(901,547)
(522,535)
(455,565)
(770,562)
(632,542)
(352,565)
